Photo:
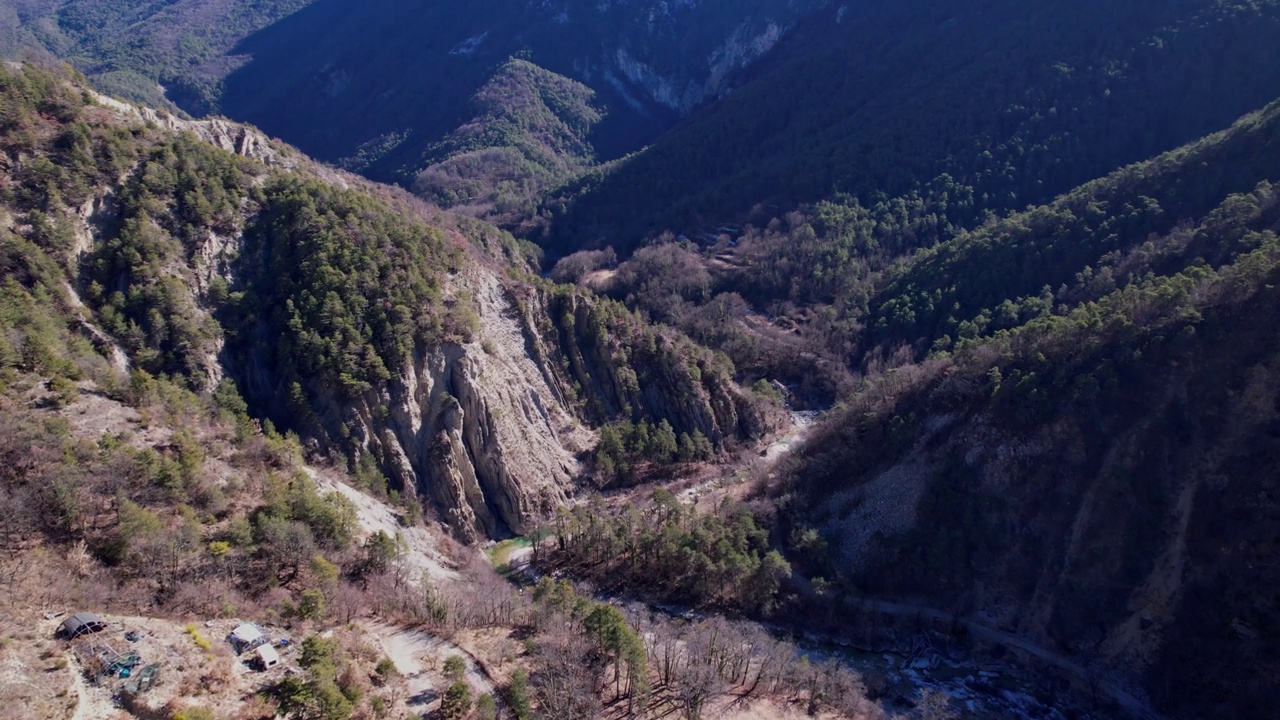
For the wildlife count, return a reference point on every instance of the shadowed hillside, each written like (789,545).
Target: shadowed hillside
(1003,104)
(1089,463)
(377,83)
(529,135)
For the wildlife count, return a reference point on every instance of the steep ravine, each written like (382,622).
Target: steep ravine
(492,432)
(374,84)
(1136,538)
(488,426)
(476,428)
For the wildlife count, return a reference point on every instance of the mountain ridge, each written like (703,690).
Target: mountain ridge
(1039,98)
(383,311)
(1003,252)
(1067,469)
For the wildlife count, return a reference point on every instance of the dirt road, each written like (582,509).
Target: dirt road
(1135,706)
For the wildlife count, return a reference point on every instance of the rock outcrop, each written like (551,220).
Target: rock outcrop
(481,430)
(626,368)
(487,422)
(491,432)
(244,140)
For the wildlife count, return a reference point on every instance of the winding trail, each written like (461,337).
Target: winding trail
(88,707)
(1130,703)
(709,491)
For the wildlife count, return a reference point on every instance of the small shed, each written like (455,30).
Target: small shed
(247,637)
(267,657)
(81,623)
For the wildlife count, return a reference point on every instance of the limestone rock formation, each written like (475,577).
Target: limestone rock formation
(488,427)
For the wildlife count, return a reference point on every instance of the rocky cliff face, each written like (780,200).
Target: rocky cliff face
(491,431)
(376,83)
(624,368)
(637,66)
(487,426)
(244,140)
(480,430)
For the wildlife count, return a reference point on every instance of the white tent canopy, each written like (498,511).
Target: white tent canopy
(247,637)
(247,634)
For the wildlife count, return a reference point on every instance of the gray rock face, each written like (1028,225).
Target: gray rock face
(684,88)
(627,369)
(491,432)
(675,54)
(479,431)
(233,137)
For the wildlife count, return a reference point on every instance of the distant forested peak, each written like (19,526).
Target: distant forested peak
(530,134)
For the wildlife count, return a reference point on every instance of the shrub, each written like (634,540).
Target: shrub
(456,702)
(200,640)
(65,391)
(386,669)
(518,694)
(311,605)
(455,667)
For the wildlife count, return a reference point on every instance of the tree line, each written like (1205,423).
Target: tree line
(666,548)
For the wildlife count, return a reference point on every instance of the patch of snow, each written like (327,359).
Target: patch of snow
(468,47)
(627,97)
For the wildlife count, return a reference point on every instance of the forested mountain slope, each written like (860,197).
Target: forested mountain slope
(154,52)
(1048,360)
(949,109)
(530,135)
(375,84)
(378,82)
(1084,457)
(375,327)
(231,382)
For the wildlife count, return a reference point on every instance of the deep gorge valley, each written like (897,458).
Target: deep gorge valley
(642,359)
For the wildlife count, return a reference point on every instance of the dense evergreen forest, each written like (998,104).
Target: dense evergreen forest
(312,250)
(1131,395)
(948,110)
(1019,258)
(160,54)
(530,135)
